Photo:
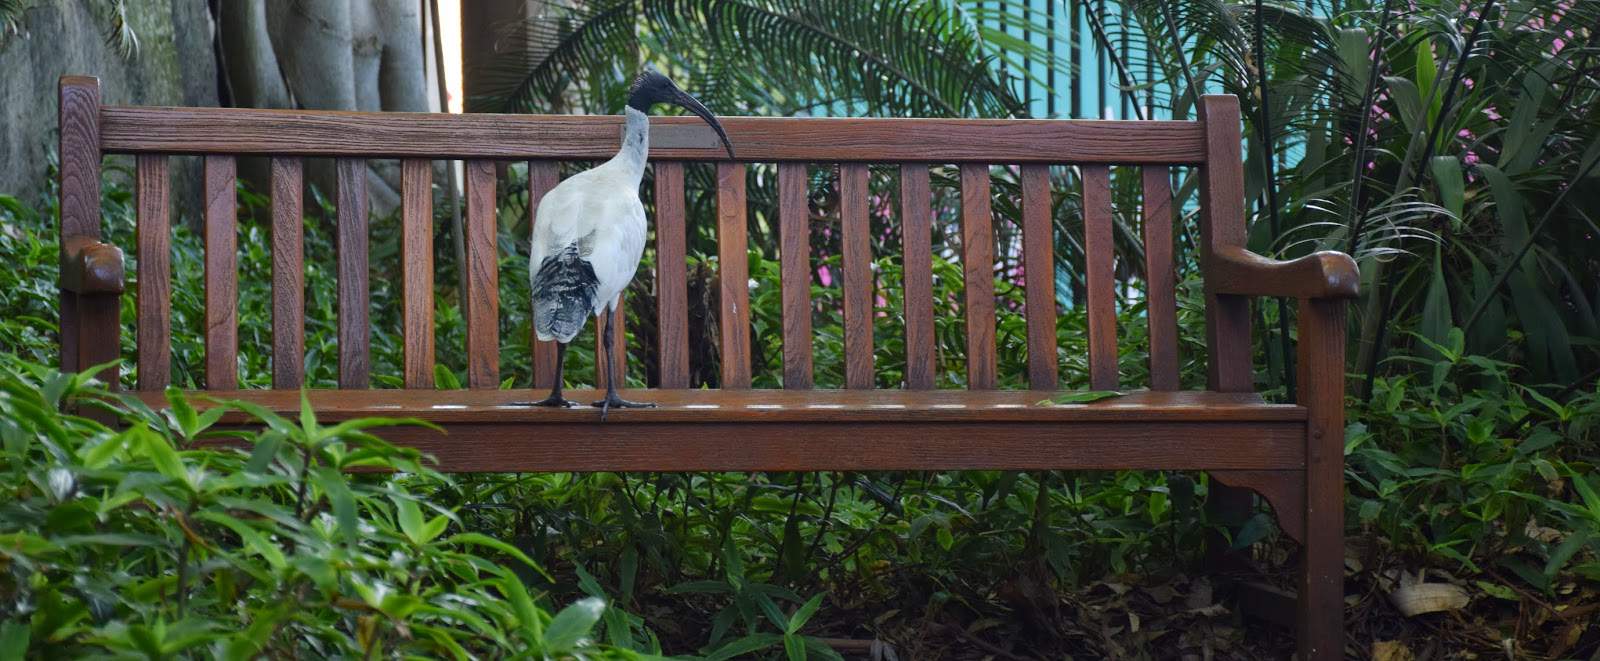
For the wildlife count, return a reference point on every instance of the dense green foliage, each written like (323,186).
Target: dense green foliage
(132,540)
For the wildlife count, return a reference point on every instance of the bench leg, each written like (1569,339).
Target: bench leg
(1321,378)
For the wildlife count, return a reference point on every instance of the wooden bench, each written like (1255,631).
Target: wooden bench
(1289,454)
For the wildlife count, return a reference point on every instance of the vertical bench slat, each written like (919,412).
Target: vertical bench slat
(619,347)
(416,271)
(354,330)
(856,237)
(734,275)
(1039,266)
(1099,264)
(288,274)
(222,273)
(977,262)
(542,176)
(794,219)
(1222,224)
(483,278)
(1160,280)
(672,289)
(916,231)
(155,274)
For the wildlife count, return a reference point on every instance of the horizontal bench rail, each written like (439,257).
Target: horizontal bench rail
(246,131)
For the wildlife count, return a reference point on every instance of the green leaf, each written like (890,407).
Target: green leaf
(182,413)
(480,539)
(803,614)
(819,648)
(162,454)
(14,639)
(1450,181)
(794,648)
(409,516)
(1436,322)
(444,379)
(770,608)
(1580,482)
(1563,553)
(746,645)
(570,628)
(252,538)
(1080,397)
(337,491)
(1254,530)
(1498,591)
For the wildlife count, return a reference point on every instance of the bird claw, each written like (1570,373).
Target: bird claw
(552,402)
(620,403)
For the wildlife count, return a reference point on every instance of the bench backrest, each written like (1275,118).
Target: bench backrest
(89,131)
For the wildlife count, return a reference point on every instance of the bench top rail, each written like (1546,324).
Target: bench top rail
(246,131)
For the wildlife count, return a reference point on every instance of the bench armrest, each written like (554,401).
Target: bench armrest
(89,266)
(1236,271)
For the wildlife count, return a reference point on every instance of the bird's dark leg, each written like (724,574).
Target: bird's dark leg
(555,400)
(612,400)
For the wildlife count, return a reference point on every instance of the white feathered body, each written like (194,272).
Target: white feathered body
(588,237)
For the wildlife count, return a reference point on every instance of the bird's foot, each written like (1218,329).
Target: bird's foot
(615,402)
(612,401)
(553,401)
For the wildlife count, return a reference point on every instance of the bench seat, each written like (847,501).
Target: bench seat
(485,430)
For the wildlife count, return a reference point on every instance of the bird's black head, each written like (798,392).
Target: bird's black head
(651,88)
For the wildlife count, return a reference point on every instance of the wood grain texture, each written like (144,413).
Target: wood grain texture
(78,182)
(855,231)
(916,230)
(1320,362)
(1099,273)
(483,277)
(733,275)
(792,406)
(416,271)
(1161,300)
(1325,274)
(977,265)
(1038,263)
(355,332)
(619,348)
(672,273)
(222,273)
(1285,491)
(482,135)
(80,142)
(1222,225)
(586,445)
(542,176)
(154,329)
(794,220)
(288,274)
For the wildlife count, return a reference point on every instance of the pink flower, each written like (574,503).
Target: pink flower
(1471,158)
(1492,114)
(825,276)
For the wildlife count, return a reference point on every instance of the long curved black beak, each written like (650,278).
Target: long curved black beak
(693,105)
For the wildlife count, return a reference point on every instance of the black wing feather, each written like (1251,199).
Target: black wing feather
(563,294)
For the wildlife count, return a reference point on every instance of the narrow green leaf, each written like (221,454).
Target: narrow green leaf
(1080,397)
(570,628)
(804,613)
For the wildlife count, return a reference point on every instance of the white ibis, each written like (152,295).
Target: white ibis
(589,234)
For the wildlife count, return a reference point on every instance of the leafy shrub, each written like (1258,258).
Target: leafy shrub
(172,533)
